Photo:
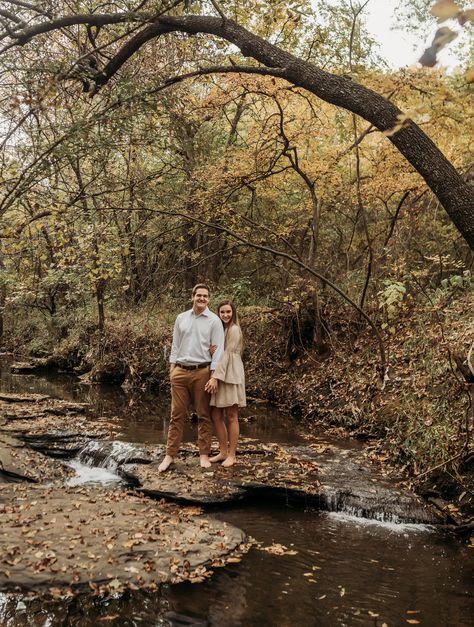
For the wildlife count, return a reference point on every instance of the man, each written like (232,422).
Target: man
(191,368)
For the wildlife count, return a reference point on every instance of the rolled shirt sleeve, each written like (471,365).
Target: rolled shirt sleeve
(175,344)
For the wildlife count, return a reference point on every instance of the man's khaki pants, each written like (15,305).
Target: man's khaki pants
(187,388)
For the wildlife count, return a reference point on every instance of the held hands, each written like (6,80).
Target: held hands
(211,386)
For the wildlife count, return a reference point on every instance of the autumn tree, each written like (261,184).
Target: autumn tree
(111,40)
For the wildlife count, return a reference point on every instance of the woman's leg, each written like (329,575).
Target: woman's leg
(233,426)
(221,432)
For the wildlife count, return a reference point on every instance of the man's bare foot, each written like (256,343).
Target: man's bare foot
(230,461)
(204,461)
(218,458)
(166,463)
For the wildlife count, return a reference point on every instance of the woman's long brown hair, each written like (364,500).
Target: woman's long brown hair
(235,317)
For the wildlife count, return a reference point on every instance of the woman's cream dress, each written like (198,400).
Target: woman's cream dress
(230,372)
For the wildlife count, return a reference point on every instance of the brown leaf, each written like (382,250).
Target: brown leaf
(445,10)
(466,16)
(470,76)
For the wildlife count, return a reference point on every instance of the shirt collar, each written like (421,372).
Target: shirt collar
(206,312)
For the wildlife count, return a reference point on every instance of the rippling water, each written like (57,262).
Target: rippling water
(345,570)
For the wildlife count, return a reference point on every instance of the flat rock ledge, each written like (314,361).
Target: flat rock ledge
(20,463)
(35,428)
(320,475)
(69,539)
(33,365)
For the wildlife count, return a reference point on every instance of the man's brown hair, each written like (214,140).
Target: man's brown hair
(201,286)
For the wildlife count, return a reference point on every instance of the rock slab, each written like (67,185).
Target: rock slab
(67,539)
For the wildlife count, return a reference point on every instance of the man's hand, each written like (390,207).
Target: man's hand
(211,386)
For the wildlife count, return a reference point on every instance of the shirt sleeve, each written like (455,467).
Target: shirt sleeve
(175,344)
(217,337)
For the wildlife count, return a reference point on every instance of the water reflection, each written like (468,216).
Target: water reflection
(345,572)
(144,418)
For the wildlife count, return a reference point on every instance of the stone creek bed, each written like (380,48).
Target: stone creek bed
(61,539)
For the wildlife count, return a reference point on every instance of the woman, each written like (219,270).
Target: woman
(230,393)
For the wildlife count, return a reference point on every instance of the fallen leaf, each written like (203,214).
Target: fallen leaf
(445,10)
(470,75)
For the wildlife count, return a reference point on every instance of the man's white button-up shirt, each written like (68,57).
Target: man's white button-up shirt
(192,336)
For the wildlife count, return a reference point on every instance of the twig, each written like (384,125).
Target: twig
(469,363)
(218,8)
(426,472)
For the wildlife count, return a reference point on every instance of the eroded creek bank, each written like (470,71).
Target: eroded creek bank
(60,538)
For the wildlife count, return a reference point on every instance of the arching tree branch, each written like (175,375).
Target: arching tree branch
(455,194)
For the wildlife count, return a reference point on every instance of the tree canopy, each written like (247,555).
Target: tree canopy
(104,43)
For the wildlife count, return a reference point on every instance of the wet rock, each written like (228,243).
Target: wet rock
(351,485)
(21,408)
(42,417)
(61,445)
(19,464)
(111,454)
(185,483)
(321,476)
(23,398)
(39,364)
(70,539)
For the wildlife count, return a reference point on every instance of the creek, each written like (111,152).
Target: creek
(333,568)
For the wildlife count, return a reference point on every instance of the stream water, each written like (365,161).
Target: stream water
(344,570)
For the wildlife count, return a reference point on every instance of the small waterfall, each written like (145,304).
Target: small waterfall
(395,510)
(91,475)
(111,454)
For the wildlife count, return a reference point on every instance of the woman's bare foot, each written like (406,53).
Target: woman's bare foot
(204,461)
(230,461)
(166,463)
(218,458)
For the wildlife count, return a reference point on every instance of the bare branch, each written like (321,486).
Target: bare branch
(26,5)
(284,255)
(470,364)
(91,19)
(12,17)
(218,8)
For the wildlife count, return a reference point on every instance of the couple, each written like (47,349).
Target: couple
(206,371)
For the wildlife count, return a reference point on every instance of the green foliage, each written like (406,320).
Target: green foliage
(458,281)
(391,299)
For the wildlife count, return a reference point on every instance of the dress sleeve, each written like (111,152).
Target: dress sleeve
(233,339)
(230,368)
(217,337)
